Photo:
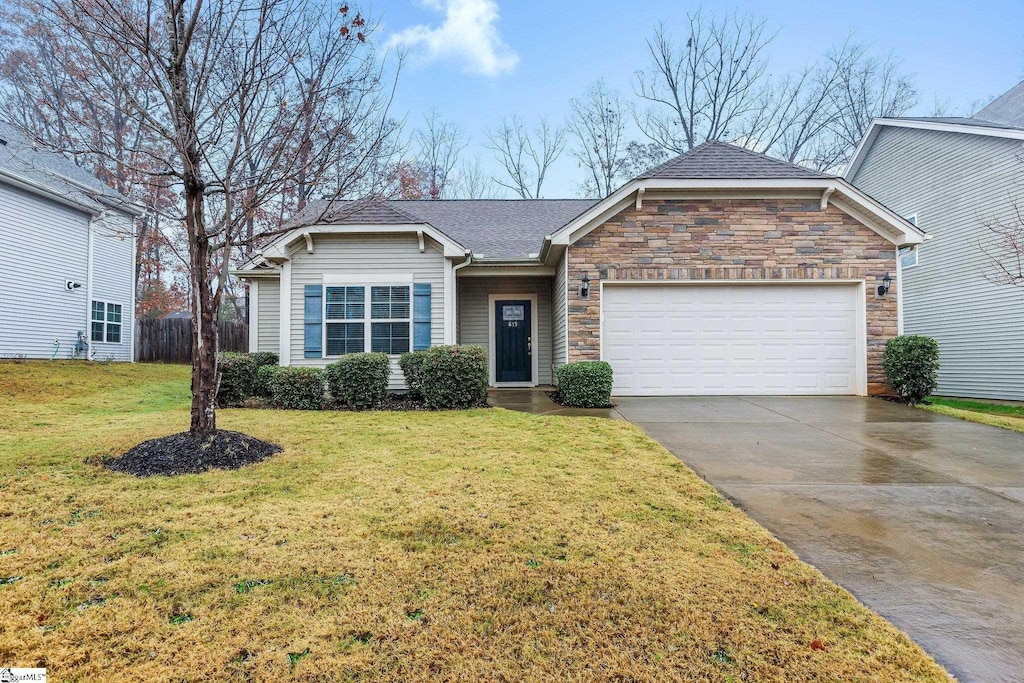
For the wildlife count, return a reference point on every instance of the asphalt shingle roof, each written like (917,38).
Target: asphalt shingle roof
(723,161)
(58,174)
(961,121)
(1007,109)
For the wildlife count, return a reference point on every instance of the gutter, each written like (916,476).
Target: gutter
(37,188)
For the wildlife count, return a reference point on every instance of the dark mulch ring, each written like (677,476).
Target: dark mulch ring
(184,453)
(556,396)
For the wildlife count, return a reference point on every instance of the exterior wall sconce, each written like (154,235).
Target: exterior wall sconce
(585,287)
(883,288)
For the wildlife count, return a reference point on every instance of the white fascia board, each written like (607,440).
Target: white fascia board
(945,127)
(880,218)
(278,249)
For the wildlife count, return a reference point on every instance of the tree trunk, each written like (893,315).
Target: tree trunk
(204,321)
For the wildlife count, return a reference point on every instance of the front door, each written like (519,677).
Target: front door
(513,341)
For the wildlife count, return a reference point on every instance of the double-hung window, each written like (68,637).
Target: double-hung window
(105,322)
(353,324)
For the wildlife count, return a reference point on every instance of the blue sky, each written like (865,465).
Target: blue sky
(477,60)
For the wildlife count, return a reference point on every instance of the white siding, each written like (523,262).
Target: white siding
(371,255)
(474,308)
(268,316)
(955,183)
(45,244)
(113,265)
(559,293)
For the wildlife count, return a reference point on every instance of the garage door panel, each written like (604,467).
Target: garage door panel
(730,339)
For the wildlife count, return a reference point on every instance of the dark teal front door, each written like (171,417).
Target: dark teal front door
(513,341)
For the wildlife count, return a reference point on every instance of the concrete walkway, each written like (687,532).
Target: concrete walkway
(920,515)
(536,401)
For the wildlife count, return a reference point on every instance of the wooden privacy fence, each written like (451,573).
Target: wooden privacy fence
(169,340)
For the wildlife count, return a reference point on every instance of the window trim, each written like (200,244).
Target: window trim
(367,283)
(911,248)
(106,322)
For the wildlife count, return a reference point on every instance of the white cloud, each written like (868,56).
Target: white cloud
(468,35)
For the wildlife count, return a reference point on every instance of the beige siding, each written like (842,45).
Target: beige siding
(956,183)
(474,324)
(268,307)
(558,299)
(370,255)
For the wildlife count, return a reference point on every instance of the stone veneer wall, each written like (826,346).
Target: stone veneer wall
(732,239)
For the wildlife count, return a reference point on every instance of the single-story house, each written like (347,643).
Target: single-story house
(721,271)
(955,177)
(68,287)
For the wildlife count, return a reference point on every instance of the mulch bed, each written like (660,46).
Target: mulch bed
(557,398)
(184,453)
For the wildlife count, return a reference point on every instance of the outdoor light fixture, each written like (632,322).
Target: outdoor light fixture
(883,288)
(585,287)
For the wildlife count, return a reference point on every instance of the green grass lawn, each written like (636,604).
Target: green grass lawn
(481,545)
(1007,416)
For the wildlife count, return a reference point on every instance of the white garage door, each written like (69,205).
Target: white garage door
(731,339)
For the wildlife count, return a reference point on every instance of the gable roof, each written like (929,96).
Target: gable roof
(1007,109)
(38,170)
(490,228)
(720,160)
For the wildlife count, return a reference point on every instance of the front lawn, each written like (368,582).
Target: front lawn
(1005,415)
(481,545)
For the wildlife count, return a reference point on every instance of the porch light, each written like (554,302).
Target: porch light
(585,287)
(883,288)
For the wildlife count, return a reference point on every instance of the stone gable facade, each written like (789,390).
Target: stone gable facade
(732,240)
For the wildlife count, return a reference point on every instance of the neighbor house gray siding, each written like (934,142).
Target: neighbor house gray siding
(474,307)
(956,183)
(371,255)
(559,338)
(268,315)
(48,244)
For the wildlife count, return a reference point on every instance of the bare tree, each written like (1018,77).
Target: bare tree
(702,89)
(258,103)
(473,181)
(525,155)
(1005,248)
(597,123)
(640,157)
(440,143)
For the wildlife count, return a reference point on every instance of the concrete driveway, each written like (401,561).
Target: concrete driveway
(921,516)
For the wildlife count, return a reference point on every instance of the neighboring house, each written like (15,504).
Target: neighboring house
(953,177)
(70,266)
(721,271)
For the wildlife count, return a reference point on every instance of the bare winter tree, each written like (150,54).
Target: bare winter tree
(596,122)
(525,155)
(258,103)
(1004,248)
(702,88)
(473,181)
(440,143)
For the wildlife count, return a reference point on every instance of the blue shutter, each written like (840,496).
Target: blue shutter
(421,317)
(314,321)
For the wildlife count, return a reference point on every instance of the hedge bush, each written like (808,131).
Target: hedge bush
(911,364)
(412,367)
(455,377)
(360,380)
(237,376)
(585,384)
(261,358)
(265,375)
(298,388)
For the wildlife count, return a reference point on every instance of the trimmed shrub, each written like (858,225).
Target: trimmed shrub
(585,384)
(911,365)
(298,388)
(265,376)
(237,375)
(455,377)
(412,367)
(261,358)
(360,380)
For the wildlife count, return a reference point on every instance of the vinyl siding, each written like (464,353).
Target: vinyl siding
(49,245)
(474,323)
(558,299)
(956,183)
(371,255)
(268,312)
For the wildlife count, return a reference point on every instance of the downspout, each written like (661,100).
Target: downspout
(88,290)
(135,287)
(455,293)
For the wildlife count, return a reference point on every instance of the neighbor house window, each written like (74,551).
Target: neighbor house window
(105,322)
(908,254)
(348,316)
